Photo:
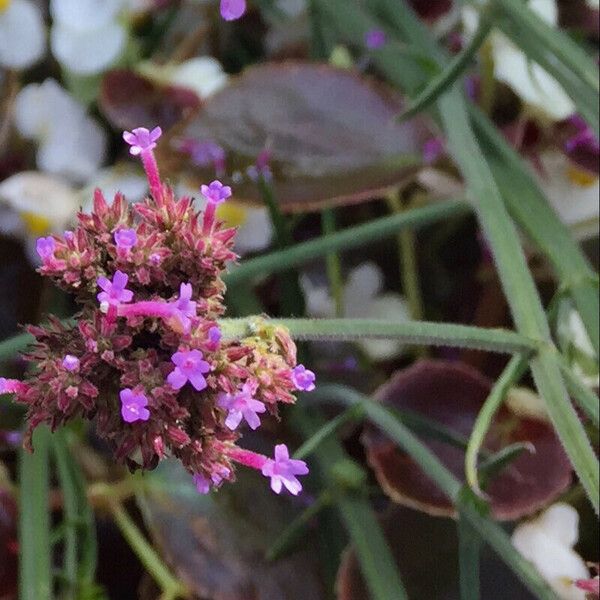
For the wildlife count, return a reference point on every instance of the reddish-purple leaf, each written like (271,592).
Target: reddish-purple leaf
(452,394)
(332,134)
(129,100)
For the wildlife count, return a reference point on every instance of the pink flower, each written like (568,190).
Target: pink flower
(591,586)
(114,292)
(125,239)
(283,470)
(133,406)
(375,39)
(241,405)
(141,140)
(45,247)
(232,9)
(216,192)
(70,363)
(189,366)
(303,378)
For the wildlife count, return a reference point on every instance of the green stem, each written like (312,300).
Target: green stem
(170,586)
(353,237)
(35,580)
(511,374)
(334,266)
(415,333)
(584,396)
(469,548)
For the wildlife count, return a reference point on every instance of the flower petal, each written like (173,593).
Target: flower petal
(90,52)
(84,15)
(22,35)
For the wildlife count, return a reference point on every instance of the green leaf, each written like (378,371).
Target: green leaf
(81,552)
(375,557)
(490,532)
(469,549)
(442,82)
(583,395)
(35,580)
(555,52)
(410,332)
(353,237)
(511,374)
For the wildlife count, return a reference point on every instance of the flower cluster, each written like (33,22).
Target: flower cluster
(146,359)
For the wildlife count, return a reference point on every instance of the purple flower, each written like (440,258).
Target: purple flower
(45,247)
(433,149)
(232,9)
(184,307)
(142,140)
(203,484)
(133,406)
(189,366)
(216,192)
(303,378)
(114,292)
(214,336)
(283,470)
(70,363)
(205,153)
(375,39)
(242,405)
(125,239)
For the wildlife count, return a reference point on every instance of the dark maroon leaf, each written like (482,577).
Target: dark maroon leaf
(331,134)
(452,394)
(217,543)
(431,10)
(129,100)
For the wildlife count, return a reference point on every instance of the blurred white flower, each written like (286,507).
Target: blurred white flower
(22,34)
(86,36)
(255,231)
(548,543)
(40,202)
(571,191)
(70,143)
(203,75)
(576,345)
(117,178)
(363,297)
(535,86)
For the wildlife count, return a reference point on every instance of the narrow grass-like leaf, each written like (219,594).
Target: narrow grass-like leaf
(293,532)
(376,560)
(352,237)
(442,82)
(35,579)
(556,52)
(511,374)
(411,332)
(490,532)
(584,396)
(469,550)
(80,540)
(353,413)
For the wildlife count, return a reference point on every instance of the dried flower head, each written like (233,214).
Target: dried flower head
(145,359)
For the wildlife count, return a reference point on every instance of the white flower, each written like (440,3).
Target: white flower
(572,192)
(535,86)
(548,543)
(363,297)
(42,204)
(86,36)
(22,34)
(576,345)
(70,143)
(118,178)
(203,75)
